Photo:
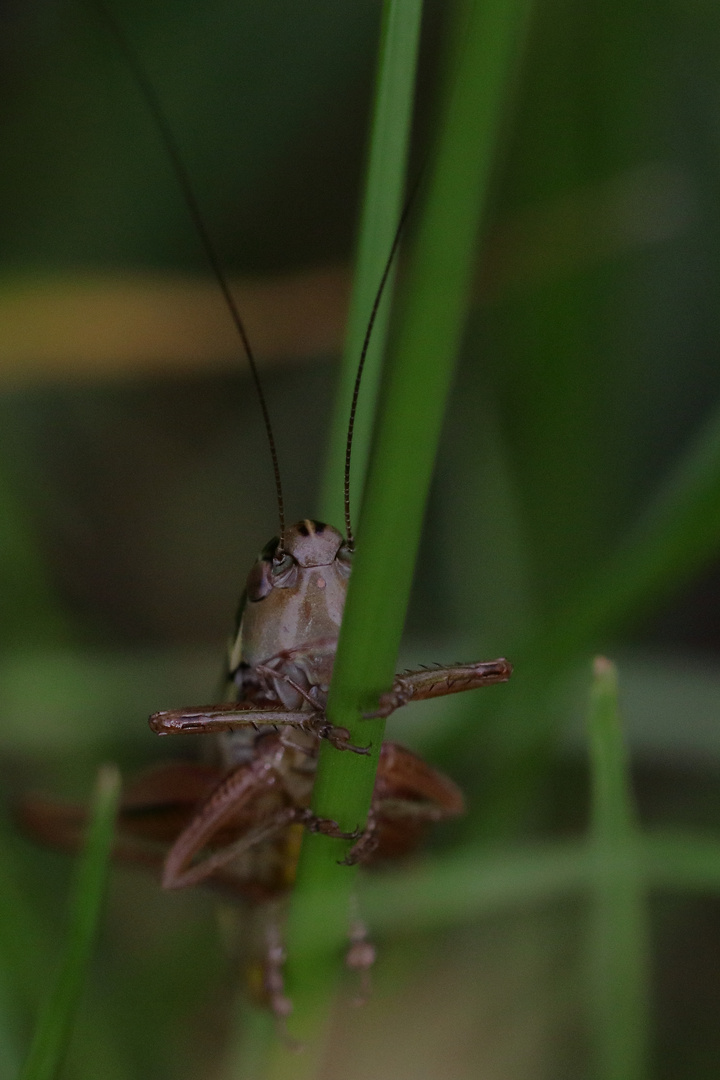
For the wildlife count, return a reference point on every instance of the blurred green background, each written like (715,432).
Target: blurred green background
(576,505)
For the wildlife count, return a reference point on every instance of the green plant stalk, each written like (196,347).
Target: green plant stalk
(619,930)
(475,882)
(483,55)
(54,1025)
(24,943)
(677,533)
(251,1042)
(24,949)
(384,186)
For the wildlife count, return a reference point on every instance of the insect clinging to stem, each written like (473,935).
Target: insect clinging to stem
(236,824)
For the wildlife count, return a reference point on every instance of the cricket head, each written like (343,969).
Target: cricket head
(304,548)
(295,592)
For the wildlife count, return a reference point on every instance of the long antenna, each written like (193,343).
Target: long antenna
(167,137)
(363,356)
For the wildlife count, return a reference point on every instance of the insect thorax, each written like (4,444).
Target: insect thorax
(284,647)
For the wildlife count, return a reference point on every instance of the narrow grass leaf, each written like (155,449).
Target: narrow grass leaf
(676,534)
(483,57)
(382,204)
(55,1023)
(312,985)
(22,933)
(24,951)
(619,930)
(678,531)
(474,882)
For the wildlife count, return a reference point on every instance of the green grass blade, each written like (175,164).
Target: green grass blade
(312,986)
(384,187)
(613,815)
(677,534)
(24,949)
(253,1036)
(418,376)
(476,882)
(22,933)
(54,1025)
(619,930)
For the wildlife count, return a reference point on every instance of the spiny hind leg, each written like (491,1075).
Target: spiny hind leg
(440,681)
(185,864)
(231,799)
(181,869)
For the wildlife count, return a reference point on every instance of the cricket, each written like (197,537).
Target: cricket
(234,821)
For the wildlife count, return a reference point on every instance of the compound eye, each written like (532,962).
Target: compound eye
(344,559)
(259,582)
(284,569)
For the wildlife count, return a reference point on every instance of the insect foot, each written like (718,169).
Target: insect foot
(339,737)
(367,842)
(326,826)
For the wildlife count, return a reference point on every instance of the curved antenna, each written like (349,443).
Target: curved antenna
(147,92)
(363,357)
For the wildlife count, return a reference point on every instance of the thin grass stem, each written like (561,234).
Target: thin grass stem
(675,535)
(619,922)
(475,883)
(312,987)
(482,59)
(54,1026)
(384,191)
(677,532)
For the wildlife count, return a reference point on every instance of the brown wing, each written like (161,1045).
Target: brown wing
(409,795)
(155,807)
(161,805)
(154,811)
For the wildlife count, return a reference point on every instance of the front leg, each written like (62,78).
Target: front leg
(233,715)
(438,682)
(225,716)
